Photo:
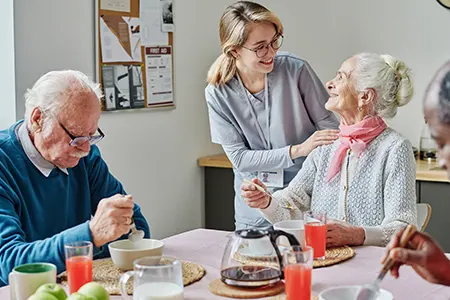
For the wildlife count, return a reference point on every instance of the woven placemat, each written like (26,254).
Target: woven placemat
(108,275)
(332,256)
(219,288)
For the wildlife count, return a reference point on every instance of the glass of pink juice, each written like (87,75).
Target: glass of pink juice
(316,232)
(78,264)
(298,264)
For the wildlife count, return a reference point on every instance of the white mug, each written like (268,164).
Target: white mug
(24,280)
(295,227)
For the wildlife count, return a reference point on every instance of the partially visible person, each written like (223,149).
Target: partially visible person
(55,188)
(423,254)
(266,108)
(365,181)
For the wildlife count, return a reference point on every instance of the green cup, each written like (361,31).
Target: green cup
(24,280)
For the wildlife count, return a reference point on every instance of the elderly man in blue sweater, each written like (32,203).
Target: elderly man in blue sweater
(55,188)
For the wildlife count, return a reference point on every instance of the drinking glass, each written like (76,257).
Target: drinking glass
(316,232)
(298,264)
(78,264)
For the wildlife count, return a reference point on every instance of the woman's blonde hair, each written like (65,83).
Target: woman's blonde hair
(234,27)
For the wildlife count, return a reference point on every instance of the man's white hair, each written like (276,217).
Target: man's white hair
(54,89)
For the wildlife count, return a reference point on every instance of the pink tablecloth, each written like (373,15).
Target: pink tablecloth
(206,247)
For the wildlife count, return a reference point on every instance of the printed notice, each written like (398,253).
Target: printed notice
(158,66)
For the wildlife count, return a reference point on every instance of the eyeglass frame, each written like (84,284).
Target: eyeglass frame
(92,139)
(266,46)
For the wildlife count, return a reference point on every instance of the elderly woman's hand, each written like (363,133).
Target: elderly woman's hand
(253,196)
(424,255)
(318,138)
(342,233)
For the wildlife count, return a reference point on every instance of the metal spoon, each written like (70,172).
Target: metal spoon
(371,291)
(135,235)
(283,204)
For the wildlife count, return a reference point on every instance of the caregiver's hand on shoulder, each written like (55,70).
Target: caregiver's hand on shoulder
(318,138)
(253,196)
(423,254)
(342,233)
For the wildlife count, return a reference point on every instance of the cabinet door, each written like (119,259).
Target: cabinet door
(219,199)
(437,194)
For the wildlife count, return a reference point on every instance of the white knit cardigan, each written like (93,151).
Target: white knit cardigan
(375,191)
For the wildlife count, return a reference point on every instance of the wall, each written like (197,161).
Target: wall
(7,82)
(155,153)
(327,32)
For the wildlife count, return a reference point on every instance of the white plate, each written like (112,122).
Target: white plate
(349,293)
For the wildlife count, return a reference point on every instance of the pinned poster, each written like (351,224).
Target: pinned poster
(158,68)
(120,39)
(166,16)
(123,87)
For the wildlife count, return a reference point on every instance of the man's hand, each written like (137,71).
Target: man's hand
(112,219)
(342,233)
(424,255)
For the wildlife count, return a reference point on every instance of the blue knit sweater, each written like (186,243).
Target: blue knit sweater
(39,214)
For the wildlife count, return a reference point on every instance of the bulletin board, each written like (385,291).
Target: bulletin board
(134,54)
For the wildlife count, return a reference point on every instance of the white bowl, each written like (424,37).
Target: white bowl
(294,227)
(349,293)
(124,252)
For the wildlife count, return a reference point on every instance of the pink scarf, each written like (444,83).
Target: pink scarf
(355,137)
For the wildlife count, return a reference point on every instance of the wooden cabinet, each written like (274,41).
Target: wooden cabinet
(219,199)
(437,194)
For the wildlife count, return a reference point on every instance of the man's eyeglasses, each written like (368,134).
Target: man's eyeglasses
(80,140)
(263,49)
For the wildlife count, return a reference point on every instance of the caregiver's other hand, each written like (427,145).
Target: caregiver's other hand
(253,196)
(423,254)
(342,233)
(318,138)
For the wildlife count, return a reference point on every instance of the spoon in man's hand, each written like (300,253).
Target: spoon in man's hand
(135,235)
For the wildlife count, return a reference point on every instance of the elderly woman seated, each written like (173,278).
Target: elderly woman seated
(364,181)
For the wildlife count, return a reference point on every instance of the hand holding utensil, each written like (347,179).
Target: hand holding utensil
(283,204)
(371,291)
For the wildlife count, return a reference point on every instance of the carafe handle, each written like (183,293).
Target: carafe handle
(274,235)
(123,284)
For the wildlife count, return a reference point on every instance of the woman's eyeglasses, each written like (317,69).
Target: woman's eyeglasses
(263,49)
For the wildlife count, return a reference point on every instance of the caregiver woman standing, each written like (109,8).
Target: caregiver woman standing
(264,107)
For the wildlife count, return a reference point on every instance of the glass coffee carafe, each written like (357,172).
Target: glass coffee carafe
(427,145)
(252,258)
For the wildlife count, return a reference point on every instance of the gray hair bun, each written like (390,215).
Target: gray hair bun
(404,90)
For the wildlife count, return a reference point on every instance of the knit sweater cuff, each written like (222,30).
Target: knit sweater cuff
(83,233)
(271,211)
(374,236)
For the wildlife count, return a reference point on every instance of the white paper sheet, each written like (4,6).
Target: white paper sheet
(150,15)
(116,5)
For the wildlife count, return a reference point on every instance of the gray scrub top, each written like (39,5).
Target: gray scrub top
(296,100)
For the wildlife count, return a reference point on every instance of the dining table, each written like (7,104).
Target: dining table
(206,247)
